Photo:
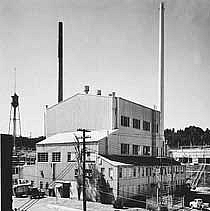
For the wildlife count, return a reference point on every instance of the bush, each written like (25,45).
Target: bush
(118,203)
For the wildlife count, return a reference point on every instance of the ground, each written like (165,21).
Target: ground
(62,204)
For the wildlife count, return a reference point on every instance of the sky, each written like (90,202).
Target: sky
(110,45)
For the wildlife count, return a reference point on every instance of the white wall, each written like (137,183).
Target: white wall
(80,111)
(70,167)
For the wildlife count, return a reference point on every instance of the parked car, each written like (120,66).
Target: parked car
(36,193)
(21,190)
(198,204)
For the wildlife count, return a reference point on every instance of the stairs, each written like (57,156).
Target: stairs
(198,175)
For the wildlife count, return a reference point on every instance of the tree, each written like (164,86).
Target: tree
(190,136)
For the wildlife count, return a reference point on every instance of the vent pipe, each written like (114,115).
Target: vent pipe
(86,89)
(161,67)
(60,61)
(98,92)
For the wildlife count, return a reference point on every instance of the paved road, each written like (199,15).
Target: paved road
(61,204)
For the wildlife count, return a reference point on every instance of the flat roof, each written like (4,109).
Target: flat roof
(70,137)
(112,162)
(143,160)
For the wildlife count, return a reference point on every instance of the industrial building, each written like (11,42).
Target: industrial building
(192,154)
(125,146)
(196,160)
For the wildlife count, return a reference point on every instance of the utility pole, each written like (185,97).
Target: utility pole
(83,169)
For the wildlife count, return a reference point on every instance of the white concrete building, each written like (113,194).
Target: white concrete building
(137,124)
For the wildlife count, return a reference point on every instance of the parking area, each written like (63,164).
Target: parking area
(62,204)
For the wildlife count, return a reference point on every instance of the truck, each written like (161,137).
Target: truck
(199,204)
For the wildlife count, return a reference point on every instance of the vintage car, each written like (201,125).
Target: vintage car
(36,193)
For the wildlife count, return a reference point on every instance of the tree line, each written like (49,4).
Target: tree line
(190,136)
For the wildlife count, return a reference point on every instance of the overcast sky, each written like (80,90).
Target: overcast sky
(110,45)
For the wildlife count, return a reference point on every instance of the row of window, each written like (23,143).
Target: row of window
(148,171)
(125,122)
(135,172)
(56,156)
(189,160)
(136,149)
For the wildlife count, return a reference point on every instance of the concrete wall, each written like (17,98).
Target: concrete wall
(80,111)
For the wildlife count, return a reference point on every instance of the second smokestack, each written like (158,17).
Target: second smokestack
(161,67)
(60,61)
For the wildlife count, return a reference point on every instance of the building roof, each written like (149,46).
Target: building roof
(142,160)
(101,96)
(114,163)
(70,137)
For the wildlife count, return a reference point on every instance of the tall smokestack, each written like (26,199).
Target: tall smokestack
(161,67)
(60,62)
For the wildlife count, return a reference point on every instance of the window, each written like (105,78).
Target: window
(142,171)
(146,125)
(147,172)
(41,184)
(111,173)
(102,171)
(125,121)
(139,171)
(76,172)
(120,172)
(69,157)
(42,157)
(139,189)
(134,172)
(157,128)
(201,160)
(146,150)
(150,172)
(125,149)
(56,157)
(136,123)
(88,156)
(136,149)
